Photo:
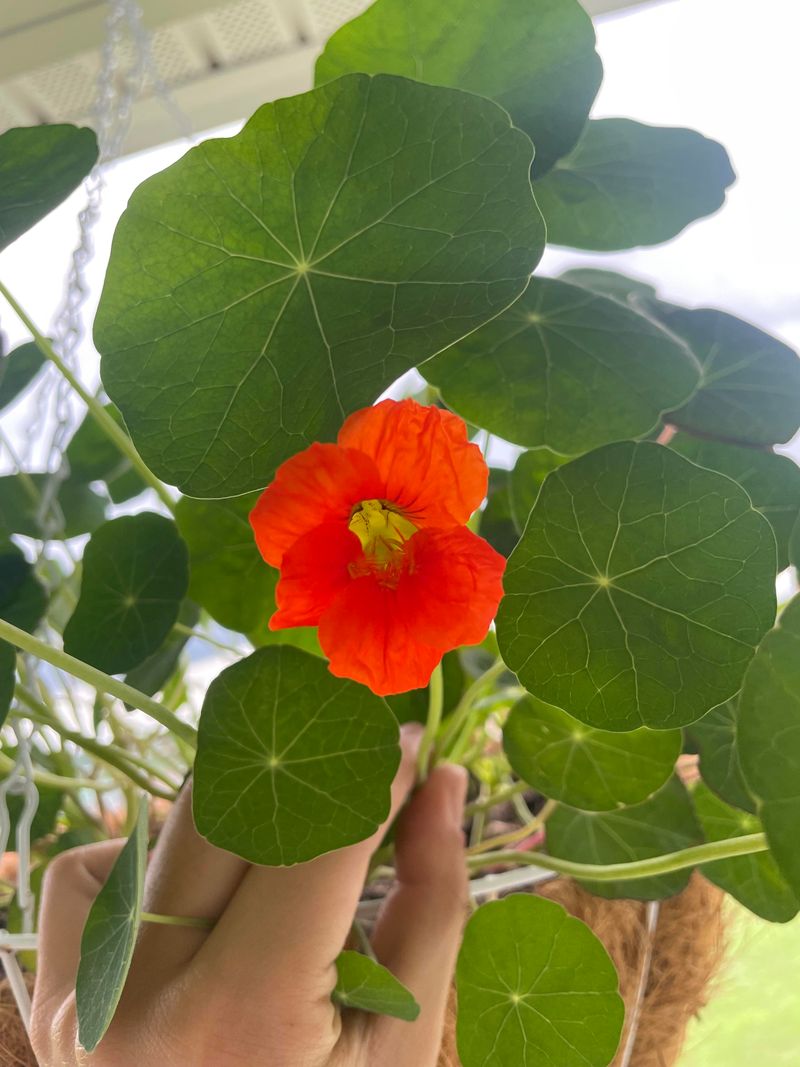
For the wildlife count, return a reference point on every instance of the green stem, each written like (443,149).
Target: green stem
(464,706)
(110,428)
(624,872)
(507,792)
(533,824)
(434,720)
(56,781)
(99,680)
(180,628)
(177,920)
(110,754)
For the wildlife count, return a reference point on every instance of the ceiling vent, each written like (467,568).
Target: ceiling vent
(218,61)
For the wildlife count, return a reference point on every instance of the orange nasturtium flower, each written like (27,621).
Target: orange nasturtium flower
(370,538)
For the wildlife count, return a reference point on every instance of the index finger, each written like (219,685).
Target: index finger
(298,917)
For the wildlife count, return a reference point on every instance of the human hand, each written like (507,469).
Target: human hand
(256,989)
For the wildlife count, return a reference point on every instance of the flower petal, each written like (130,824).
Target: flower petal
(391,639)
(319,485)
(451,594)
(366,639)
(428,466)
(313,571)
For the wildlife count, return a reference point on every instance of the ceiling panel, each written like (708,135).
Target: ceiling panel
(217,60)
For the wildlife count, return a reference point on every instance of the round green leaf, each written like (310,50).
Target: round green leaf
(497,524)
(228,576)
(347,234)
(526,480)
(610,283)
(153,673)
(23,598)
(17,371)
(751,382)
(135,575)
(109,938)
(594,770)
(39,167)
(536,988)
(639,589)
(772,481)
(77,509)
(565,369)
(291,762)
(627,184)
(769,738)
(535,57)
(755,881)
(664,823)
(715,736)
(92,456)
(364,984)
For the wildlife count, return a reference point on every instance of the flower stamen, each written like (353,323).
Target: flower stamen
(383,533)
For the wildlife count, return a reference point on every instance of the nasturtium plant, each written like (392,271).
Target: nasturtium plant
(625,599)
(716,739)
(555,544)
(750,392)
(609,283)
(567,370)
(771,480)
(40,167)
(226,573)
(73,508)
(754,881)
(17,370)
(595,770)
(327,267)
(23,597)
(664,823)
(291,762)
(363,983)
(627,184)
(535,986)
(535,58)
(90,456)
(109,938)
(135,576)
(525,481)
(768,738)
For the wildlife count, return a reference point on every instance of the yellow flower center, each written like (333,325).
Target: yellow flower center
(382,532)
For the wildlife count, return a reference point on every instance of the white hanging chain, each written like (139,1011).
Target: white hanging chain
(112,112)
(19,783)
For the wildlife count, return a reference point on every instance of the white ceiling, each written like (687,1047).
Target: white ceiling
(218,60)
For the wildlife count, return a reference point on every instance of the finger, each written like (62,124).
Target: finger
(295,920)
(420,926)
(71,884)
(188,877)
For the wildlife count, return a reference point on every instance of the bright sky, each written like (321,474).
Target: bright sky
(725,67)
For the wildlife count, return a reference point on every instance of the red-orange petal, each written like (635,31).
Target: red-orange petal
(391,639)
(319,485)
(313,572)
(366,639)
(428,466)
(451,594)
